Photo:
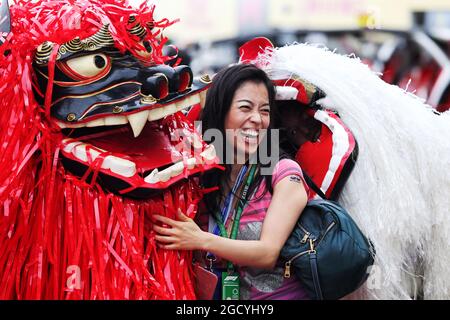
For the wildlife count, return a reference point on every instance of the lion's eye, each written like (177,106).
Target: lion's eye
(99,61)
(86,66)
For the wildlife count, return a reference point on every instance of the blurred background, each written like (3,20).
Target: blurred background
(406,41)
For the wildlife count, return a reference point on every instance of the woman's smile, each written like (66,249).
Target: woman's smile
(248,117)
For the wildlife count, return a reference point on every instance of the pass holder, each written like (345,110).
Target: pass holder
(230,286)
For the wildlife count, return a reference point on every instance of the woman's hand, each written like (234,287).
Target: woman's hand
(183,234)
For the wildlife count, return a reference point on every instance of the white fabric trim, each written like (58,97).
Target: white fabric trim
(286,93)
(340,146)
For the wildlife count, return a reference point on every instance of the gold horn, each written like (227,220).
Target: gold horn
(43,52)
(136,28)
(72,46)
(102,38)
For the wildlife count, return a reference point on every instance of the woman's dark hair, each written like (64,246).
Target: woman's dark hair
(218,102)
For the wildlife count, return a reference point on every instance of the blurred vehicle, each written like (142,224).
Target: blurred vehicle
(414,60)
(210,57)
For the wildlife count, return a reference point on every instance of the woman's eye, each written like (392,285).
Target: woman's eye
(245,107)
(266,110)
(87,66)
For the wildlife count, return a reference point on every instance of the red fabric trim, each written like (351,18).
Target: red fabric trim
(315,158)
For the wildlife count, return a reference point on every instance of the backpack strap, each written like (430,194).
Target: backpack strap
(315,275)
(313,255)
(313,186)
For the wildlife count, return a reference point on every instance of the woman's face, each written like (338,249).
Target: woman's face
(248,117)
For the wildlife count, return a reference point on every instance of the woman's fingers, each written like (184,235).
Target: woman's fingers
(168,246)
(164,239)
(167,243)
(176,234)
(165,220)
(182,216)
(163,231)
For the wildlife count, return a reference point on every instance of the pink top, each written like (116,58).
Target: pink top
(259,284)
(263,284)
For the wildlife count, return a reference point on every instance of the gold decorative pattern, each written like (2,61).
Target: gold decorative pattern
(309,87)
(82,96)
(137,29)
(117,109)
(205,78)
(148,99)
(101,39)
(73,45)
(71,117)
(43,52)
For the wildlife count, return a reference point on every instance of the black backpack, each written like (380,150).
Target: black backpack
(327,251)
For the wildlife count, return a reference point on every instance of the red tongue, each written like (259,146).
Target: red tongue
(152,149)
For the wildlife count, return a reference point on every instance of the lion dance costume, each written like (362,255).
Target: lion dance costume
(398,188)
(92,143)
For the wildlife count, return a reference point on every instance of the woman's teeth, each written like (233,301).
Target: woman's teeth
(251,134)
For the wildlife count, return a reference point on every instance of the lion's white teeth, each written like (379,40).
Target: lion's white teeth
(115,120)
(197,142)
(170,109)
(152,177)
(165,175)
(75,125)
(177,169)
(126,168)
(209,153)
(189,101)
(181,105)
(194,99)
(69,146)
(190,163)
(171,171)
(155,114)
(79,151)
(117,165)
(120,166)
(138,121)
(96,123)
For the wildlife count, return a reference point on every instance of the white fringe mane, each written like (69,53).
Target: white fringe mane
(399,190)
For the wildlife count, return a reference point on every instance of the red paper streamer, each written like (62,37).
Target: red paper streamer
(60,237)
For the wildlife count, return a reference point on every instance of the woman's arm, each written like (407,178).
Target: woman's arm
(288,201)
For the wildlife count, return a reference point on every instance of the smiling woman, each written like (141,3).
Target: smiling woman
(243,225)
(249,114)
